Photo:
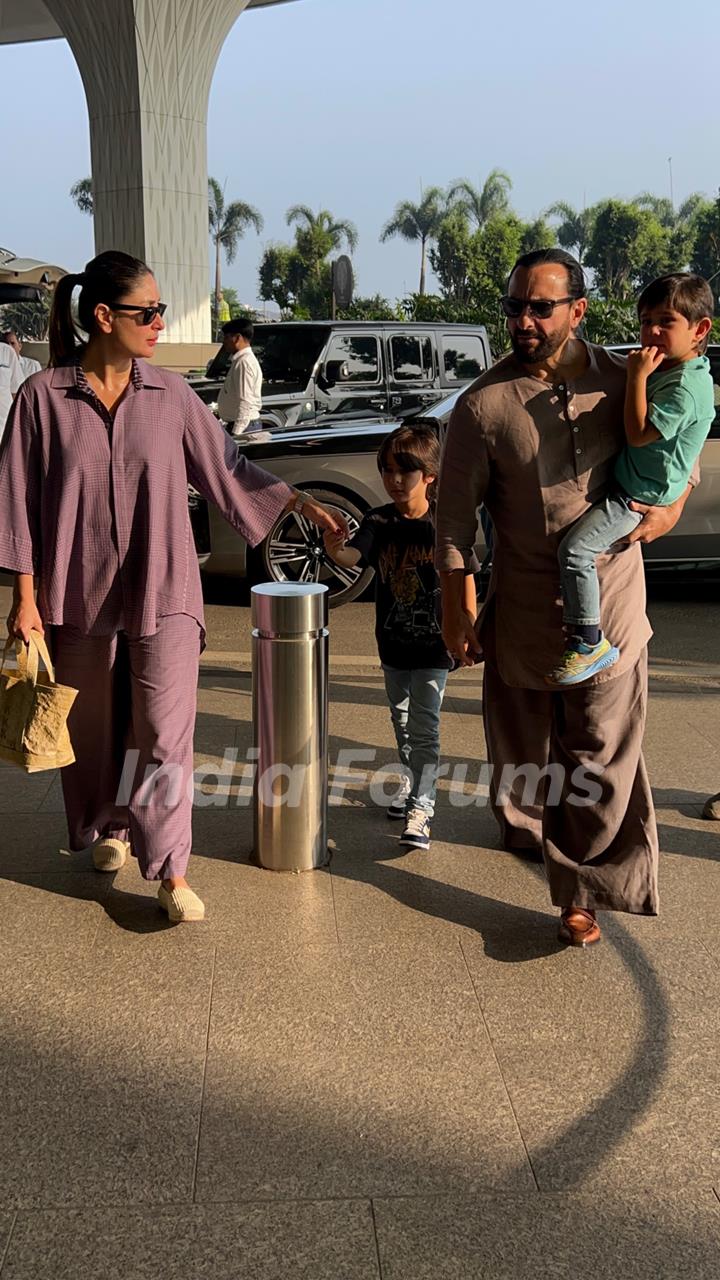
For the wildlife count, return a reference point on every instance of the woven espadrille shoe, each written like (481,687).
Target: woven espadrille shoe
(110,854)
(182,905)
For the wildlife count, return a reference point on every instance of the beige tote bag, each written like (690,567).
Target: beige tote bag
(34,710)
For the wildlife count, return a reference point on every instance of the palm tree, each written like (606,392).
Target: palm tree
(664,210)
(482,203)
(318,234)
(576,226)
(81,194)
(228,224)
(418,222)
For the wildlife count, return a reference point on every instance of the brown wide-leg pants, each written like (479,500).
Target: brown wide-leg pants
(134,714)
(575,785)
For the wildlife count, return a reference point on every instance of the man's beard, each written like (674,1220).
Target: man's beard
(542,348)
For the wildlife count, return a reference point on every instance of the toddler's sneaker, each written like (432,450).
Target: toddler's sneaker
(398,805)
(417,830)
(583,661)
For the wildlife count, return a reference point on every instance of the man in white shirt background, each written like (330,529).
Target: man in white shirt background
(27,365)
(11,380)
(241,395)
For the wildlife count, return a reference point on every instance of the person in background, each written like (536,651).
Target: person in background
(11,380)
(240,399)
(398,540)
(27,365)
(99,451)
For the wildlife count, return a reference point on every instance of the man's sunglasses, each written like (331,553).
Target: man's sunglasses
(146,315)
(540,308)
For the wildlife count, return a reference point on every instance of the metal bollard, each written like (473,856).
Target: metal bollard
(290,725)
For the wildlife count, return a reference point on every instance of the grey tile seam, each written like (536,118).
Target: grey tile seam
(7,1242)
(204,1077)
(377,1242)
(491,1042)
(484,1193)
(334,903)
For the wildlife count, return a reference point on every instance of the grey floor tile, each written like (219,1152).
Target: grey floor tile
(312,1241)
(612,990)
(23,792)
(545,1237)
(350,1073)
(101,1065)
(37,842)
(50,914)
(609,1111)
(455,889)
(688,894)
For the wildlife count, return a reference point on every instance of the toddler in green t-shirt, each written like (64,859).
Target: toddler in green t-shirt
(669,408)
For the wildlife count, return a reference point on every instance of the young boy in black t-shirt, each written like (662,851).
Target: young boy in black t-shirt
(398,541)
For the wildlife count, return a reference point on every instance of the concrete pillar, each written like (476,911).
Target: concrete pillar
(147,66)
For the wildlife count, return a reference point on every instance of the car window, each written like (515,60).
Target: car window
(463,356)
(359,355)
(411,358)
(287,355)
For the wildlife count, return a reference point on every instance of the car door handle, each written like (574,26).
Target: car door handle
(305,444)
(378,404)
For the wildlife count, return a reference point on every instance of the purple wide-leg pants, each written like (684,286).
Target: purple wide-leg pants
(131,728)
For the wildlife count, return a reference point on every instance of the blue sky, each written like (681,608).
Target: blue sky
(351,105)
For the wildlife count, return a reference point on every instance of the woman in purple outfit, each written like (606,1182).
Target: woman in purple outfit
(96,460)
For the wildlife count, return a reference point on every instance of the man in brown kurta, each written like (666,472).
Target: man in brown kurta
(535,440)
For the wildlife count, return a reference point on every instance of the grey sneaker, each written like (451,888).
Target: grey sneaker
(417,830)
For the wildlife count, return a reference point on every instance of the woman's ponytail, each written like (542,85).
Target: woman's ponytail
(106,279)
(63,337)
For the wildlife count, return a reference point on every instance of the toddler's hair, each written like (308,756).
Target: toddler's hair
(689,295)
(411,449)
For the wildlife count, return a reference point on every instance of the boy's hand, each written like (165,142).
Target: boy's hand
(333,541)
(331,521)
(640,364)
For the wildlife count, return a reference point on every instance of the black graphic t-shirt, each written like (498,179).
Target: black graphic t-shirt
(407,588)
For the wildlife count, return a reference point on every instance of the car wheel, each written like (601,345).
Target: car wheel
(293,551)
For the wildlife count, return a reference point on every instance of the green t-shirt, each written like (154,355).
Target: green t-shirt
(681,406)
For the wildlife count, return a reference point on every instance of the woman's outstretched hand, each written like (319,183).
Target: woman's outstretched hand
(324,519)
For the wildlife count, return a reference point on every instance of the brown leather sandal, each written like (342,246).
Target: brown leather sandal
(578,927)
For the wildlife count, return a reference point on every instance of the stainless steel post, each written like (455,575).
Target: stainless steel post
(290,723)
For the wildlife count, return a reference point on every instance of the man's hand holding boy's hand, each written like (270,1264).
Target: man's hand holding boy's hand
(459,636)
(640,364)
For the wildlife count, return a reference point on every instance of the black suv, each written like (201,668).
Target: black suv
(326,367)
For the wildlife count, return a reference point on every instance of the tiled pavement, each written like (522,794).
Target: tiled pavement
(387,1069)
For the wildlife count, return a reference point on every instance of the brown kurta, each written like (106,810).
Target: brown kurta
(538,455)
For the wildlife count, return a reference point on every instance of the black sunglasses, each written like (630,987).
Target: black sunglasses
(146,315)
(540,308)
